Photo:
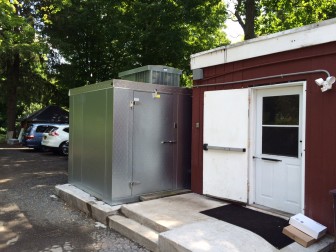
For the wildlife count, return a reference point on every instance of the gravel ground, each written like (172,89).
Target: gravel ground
(32,218)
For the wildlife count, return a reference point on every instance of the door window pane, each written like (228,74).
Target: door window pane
(281,110)
(282,141)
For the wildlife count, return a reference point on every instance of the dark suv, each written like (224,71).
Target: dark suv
(32,137)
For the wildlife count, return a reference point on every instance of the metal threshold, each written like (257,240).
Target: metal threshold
(270,211)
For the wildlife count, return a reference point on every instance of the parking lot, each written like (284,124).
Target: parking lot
(32,218)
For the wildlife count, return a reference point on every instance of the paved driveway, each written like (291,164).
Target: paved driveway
(32,218)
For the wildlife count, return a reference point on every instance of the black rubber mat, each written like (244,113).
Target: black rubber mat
(267,226)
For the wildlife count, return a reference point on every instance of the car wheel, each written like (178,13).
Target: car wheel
(64,148)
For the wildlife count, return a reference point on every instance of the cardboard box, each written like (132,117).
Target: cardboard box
(298,236)
(308,226)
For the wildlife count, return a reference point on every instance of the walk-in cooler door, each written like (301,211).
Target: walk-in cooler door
(153,142)
(225,155)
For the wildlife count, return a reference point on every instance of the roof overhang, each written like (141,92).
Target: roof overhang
(309,35)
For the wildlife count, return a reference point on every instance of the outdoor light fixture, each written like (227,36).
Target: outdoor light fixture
(156,95)
(325,84)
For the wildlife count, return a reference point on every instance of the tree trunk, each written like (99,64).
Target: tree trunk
(249,21)
(248,11)
(13,72)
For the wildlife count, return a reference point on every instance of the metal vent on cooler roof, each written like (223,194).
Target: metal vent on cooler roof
(155,74)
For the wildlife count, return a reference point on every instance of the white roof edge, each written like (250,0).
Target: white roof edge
(309,35)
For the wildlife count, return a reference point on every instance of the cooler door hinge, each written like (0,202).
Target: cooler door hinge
(134,102)
(131,104)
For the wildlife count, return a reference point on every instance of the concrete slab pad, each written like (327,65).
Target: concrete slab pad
(323,245)
(172,212)
(135,231)
(178,220)
(213,235)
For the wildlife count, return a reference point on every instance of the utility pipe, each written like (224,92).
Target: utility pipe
(266,77)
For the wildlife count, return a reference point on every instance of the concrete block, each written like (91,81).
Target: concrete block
(75,197)
(100,211)
(135,231)
(138,217)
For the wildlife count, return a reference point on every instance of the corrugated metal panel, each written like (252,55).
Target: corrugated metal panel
(122,155)
(94,140)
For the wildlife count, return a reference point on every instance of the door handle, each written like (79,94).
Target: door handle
(164,142)
(268,159)
(208,147)
(272,159)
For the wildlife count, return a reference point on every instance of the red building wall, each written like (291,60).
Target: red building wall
(320,159)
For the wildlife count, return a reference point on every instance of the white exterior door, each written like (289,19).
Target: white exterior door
(278,149)
(225,158)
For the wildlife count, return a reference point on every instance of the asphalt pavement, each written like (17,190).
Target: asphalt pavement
(33,218)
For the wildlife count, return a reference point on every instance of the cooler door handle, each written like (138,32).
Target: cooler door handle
(164,142)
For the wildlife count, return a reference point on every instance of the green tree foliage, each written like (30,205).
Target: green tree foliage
(23,78)
(261,17)
(97,39)
(286,14)
(49,46)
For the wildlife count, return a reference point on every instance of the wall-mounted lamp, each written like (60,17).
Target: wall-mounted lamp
(156,95)
(325,84)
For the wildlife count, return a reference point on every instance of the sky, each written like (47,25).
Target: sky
(234,31)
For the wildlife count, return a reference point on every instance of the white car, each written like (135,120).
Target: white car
(57,139)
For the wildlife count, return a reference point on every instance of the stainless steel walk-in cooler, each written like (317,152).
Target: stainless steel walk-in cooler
(128,139)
